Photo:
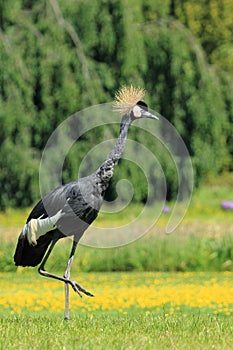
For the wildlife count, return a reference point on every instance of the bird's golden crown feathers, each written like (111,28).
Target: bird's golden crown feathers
(126,98)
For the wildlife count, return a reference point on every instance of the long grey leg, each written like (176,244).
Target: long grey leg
(67,276)
(67,309)
(41,267)
(76,287)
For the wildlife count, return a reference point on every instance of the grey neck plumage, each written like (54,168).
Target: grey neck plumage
(105,171)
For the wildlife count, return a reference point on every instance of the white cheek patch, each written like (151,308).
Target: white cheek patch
(137,111)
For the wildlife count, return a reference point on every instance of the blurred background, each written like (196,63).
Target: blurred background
(58,57)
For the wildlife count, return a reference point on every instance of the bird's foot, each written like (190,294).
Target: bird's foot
(79,289)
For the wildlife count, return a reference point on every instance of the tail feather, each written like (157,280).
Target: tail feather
(28,255)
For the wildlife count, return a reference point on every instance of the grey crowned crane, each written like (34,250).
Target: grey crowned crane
(69,209)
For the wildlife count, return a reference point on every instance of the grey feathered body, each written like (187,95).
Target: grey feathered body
(80,202)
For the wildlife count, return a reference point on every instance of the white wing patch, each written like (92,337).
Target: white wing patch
(39,227)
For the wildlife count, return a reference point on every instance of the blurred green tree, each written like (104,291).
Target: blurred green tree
(59,57)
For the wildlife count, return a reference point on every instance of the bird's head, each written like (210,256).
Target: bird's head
(128,102)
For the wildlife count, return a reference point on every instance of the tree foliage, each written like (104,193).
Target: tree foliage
(59,57)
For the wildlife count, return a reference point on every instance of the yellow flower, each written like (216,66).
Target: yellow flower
(121,292)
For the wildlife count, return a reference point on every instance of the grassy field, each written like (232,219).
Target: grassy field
(109,331)
(129,311)
(166,291)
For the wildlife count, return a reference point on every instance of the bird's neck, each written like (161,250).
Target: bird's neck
(105,171)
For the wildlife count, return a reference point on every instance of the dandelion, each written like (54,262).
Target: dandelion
(166,293)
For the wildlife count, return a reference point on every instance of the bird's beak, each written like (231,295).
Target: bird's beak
(147,114)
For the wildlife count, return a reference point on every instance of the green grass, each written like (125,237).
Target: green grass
(193,247)
(186,250)
(106,330)
(203,242)
(129,328)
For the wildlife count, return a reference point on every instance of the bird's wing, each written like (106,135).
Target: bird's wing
(81,207)
(37,211)
(77,201)
(78,204)
(50,204)
(76,197)
(31,255)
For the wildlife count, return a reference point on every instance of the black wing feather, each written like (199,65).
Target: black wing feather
(79,203)
(28,255)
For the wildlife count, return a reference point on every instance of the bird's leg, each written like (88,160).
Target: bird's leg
(76,287)
(41,269)
(67,276)
(67,310)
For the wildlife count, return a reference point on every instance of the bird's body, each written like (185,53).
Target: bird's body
(79,203)
(69,209)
